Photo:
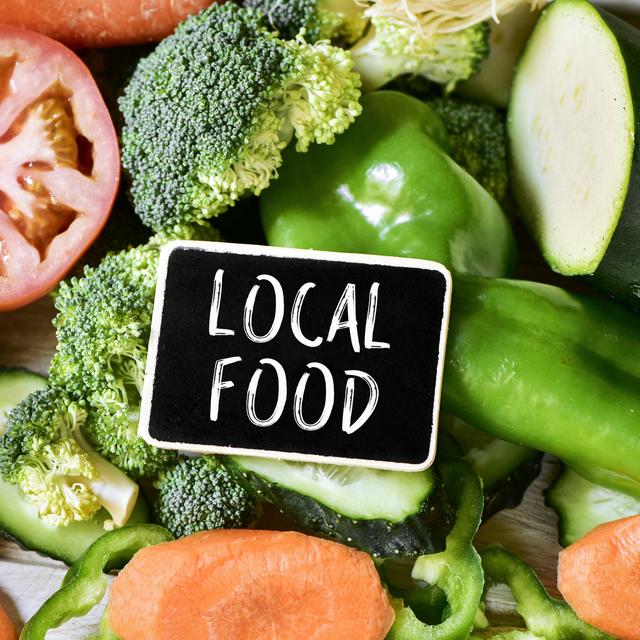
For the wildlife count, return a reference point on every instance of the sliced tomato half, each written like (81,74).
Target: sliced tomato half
(59,164)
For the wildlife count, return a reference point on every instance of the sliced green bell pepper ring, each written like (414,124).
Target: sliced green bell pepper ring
(85,583)
(457,570)
(387,187)
(533,364)
(545,617)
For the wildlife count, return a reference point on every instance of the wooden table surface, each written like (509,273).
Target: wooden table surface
(26,578)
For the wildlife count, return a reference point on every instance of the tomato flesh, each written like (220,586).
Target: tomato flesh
(59,164)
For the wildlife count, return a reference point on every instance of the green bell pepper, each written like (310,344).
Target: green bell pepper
(545,617)
(536,365)
(387,187)
(85,583)
(457,570)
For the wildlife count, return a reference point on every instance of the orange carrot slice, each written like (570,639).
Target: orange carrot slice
(7,631)
(243,585)
(100,23)
(599,576)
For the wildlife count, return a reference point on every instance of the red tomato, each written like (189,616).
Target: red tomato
(59,164)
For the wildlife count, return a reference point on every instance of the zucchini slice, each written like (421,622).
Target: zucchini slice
(582,505)
(385,513)
(573,117)
(19,519)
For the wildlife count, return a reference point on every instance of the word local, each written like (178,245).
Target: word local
(344,318)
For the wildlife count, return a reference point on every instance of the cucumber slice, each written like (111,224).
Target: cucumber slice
(572,123)
(492,459)
(506,469)
(16,384)
(19,519)
(582,505)
(386,513)
(19,522)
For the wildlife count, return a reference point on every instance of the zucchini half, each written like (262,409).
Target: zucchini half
(385,513)
(574,117)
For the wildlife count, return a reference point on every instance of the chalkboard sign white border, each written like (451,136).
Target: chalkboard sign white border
(281,252)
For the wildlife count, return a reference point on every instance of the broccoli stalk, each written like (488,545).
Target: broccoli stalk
(199,494)
(209,112)
(391,49)
(340,21)
(44,452)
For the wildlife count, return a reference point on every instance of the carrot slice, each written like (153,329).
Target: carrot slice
(243,585)
(7,631)
(100,23)
(599,576)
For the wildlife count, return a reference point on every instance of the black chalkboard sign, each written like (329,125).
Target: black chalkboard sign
(299,355)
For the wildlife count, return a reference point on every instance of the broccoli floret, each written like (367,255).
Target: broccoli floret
(341,21)
(44,452)
(478,141)
(103,325)
(209,112)
(390,49)
(198,494)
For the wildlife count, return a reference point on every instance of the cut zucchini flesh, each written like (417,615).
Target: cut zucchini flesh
(571,128)
(582,505)
(385,513)
(16,384)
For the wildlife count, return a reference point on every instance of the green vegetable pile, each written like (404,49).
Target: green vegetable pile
(254,113)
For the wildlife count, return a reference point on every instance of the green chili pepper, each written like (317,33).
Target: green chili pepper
(85,583)
(545,617)
(457,570)
(387,187)
(536,365)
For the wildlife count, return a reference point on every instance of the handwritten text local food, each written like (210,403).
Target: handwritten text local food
(344,318)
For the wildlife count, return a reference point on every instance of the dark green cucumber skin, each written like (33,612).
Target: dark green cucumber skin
(618,274)
(508,492)
(421,533)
